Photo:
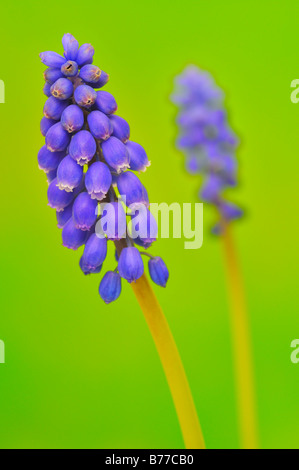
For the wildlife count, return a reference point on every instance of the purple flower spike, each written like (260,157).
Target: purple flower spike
(72,237)
(130,264)
(116,154)
(205,137)
(98,180)
(57,139)
(95,251)
(138,157)
(158,271)
(110,287)
(82,147)
(105,102)
(85,211)
(69,174)
(99,125)
(121,128)
(132,189)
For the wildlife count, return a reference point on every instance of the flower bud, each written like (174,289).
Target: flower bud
(47,90)
(138,157)
(211,188)
(158,271)
(82,147)
(51,75)
(69,174)
(70,45)
(131,187)
(53,108)
(72,237)
(85,211)
(65,215)
(98,180)
(99,125)
(85,96)
(143,226)
(113,221)
(104,78)
(58,199)
(90,73)
(69,68)
(229,211)
(52,59)
(45,125)
(48,161)
(62,89)
(121,128)
(105,102)
(72,118)
(57,139)
(51,175)
(116,154)
(130,264)
(86,270)
(110,287)
(85,55)
(95,251)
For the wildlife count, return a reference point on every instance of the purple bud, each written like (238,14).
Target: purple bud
(131,187)
(138,157)
(52,59)
(110,287)
(72,237)
(65,215)
(104,78)
(99,125)
(158,271)
(86,270)
(69,174)
(53,108)
(85,96)
(121,128)
(45,125)
(90,73)
(98,180)
(72,118)
(51,75)
(85,211)
(58,199)
(47,89)
(69,68)
(130,265)
(95,251)
(85,55)
(116,154)
(113,221)
(48,161)
(57,139)
(82,147)
(51,175)
(211,188)
(70,45)
(62,89)
(144,226)
(105,102)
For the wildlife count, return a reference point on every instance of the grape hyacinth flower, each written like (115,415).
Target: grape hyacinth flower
(94,195)
(209,146)
(206,139)
(86,156)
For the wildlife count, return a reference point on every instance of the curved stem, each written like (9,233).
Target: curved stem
(172,364)
(241,345)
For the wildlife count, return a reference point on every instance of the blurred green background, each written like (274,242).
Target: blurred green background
(82,374)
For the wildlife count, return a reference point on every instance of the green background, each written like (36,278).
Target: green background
(82,374)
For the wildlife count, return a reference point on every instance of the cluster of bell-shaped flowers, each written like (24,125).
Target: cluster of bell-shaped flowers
(206,139)
(87,157)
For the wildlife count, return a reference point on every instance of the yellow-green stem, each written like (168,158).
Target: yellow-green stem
(241,345)
(172,364)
